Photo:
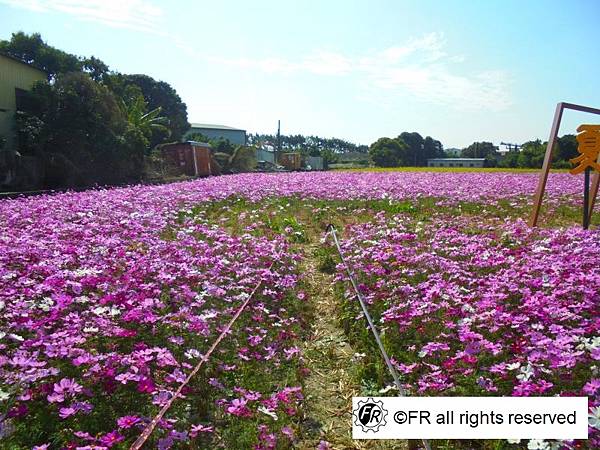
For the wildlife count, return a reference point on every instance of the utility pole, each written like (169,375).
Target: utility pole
(278,152)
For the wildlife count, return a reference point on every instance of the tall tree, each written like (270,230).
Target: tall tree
(81,134)
(386,152)
(414,143)
(32,49)
(532,154)
(566,148)
(479,150)
(156,94)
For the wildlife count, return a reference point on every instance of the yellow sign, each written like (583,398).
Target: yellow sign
(588,148)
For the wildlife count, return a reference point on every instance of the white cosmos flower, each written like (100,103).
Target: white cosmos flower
(526,373)
(538,444)
(268,412)
(594,418)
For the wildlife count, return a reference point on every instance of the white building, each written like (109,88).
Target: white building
(455,162)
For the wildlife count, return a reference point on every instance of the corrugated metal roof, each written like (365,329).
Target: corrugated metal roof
(211,126)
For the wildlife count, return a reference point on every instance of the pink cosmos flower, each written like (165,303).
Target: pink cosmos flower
(592,386)
(146,384)
(111,438)
(127,421)
(66,412)
(238,408)
(200,429)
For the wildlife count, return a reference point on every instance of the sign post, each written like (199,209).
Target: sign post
(541,187)
(586,199)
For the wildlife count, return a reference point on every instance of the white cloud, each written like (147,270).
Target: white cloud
(138,15)
(319,63)
(420,68)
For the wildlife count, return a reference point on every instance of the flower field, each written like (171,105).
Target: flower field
(109,298)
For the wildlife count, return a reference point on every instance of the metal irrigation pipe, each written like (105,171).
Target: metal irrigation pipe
(363,305)
(141,440)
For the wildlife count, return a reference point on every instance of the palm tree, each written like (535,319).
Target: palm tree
(145,122)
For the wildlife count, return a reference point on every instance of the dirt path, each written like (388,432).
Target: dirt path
(330,387)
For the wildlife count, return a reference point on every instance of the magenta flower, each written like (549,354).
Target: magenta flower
(146,384)
(238,408)
(66,412)
(111,438)
(127,421)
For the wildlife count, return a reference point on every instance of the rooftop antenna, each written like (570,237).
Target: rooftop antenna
(510,146)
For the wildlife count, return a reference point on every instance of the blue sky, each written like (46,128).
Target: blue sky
(459,71)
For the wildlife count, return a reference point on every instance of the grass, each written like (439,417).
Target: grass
(335,332)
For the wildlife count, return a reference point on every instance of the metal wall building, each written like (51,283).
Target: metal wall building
(265,155)
(455,162)
(15,78)
(234,135)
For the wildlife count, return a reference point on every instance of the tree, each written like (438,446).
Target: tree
(565,148)
(307,145)
(485,150)
(78,130)
(386,152)
(432,148)
(532,154)
(479,150)
(156,94)
(510,159)
(95,68)
(32,49)
(147,122)
(414,144)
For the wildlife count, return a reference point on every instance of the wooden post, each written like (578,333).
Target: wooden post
(539,193)
(593,192)
(586,198)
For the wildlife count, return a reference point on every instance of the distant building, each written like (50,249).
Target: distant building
(190,158)
(265,155)
(234,135)
(16,77)
(315,162)
(455,162)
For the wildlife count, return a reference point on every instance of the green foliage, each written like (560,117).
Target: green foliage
(31,48)
(420,149)
(565,149)
(89,125)
(326,261)
(485,150)
(532,154)
(408,149)
(386,152)
(241,159)
(144,121)
(479,150)
(198,137)
(308,145)
(157,94)
(223,146)
(510,159)
(77,128)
